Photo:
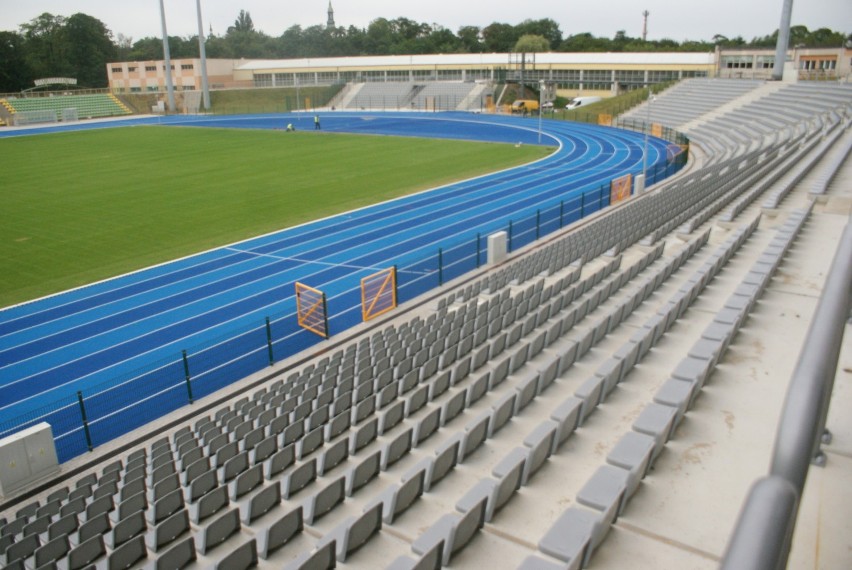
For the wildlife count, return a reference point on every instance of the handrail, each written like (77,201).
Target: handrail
(764,531)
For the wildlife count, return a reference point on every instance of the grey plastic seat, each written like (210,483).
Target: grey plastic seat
(396,449)
(426,426)
(127,554)
(298,478)
(279,461)
(52,551)
(589,393)
(657,421)
(430,560)
(332,456)
(606,491)
(633,452)
(475,433)
(540,443)
(323,557)
(678,394)
(62,526)
(277,534)
(453,530)
(23,548)
(180,555)
(168,530)
(574,536)
(86,552)
(166,506)
(260,503)
(240,558)
(354,532)
(131,526)
(363,473)
(325,500)
(398,497)
(209,504)
(245,482)
(363,435)
(219,530)
(446,457)
(497,492)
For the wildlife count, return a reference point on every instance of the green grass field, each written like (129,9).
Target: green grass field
(83,206)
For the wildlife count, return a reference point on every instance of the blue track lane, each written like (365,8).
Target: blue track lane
(133,329)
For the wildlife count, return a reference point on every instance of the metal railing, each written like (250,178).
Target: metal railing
(764,531)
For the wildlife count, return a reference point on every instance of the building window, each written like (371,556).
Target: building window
(150,68)
(131,69)
(116,70)
(153,88)
(737,61)
(186,66)
(135,89)
(172,67)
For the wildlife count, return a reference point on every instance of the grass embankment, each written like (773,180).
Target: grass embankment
(83,206)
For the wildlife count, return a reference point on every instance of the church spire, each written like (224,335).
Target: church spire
(330,22)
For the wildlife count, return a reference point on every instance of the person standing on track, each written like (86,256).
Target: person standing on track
(316,123)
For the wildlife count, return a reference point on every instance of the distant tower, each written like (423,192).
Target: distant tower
(646,13)
(330,22)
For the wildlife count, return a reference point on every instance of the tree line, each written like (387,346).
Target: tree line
(80,45)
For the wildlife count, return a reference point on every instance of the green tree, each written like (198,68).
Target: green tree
(379,37)
(545,27)
(43,49)
(88,47)
(14,73)
(499,38)
(469,39)
(530,43)
(243,23)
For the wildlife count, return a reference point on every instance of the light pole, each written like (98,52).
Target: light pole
(647,130)
(540,106)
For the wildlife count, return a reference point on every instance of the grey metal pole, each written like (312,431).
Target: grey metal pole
(647,130)
(202,53)
(170,88)
(783,41)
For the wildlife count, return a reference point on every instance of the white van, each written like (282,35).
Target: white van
(582,101)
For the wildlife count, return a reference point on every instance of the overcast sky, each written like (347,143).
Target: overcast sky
(678,20)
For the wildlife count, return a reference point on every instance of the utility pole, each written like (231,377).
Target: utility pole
(202,54)
(646,13)
(170,88)
(783,41)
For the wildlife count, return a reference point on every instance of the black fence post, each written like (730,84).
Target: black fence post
(186,375)
(85,421)
(269,341)
(510,237)
(440,266)
(561,212)
(582,205)
(478,249)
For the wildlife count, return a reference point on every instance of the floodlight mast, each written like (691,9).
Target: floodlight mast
(170,88)
(202,54)
(783,41)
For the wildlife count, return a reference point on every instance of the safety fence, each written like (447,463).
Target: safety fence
(83,420)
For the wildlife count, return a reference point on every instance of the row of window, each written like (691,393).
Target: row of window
(132,68)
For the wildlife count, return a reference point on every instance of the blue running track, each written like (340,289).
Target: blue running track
(120,343)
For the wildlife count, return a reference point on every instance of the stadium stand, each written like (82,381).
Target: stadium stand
(87,106)
(428,96)
(608,394)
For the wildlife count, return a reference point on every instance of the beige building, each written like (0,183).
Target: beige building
(572,73)
(150,76)
(807,64)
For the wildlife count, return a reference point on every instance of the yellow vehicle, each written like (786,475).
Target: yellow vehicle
(525,106)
